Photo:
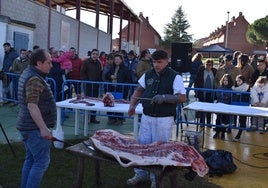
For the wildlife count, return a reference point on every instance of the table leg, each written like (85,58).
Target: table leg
(158,180)
(76,123)
(173,180)
(58,116)
(136,125)
(97,171)
(86,123)
(80,172)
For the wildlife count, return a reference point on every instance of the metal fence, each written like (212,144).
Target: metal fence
(10,87)
(184,118)
(71,88)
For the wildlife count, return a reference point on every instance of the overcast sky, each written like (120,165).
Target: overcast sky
(204,16)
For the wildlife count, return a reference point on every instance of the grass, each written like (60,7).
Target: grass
(62,171)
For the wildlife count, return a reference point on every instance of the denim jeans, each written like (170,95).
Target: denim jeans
(36,160)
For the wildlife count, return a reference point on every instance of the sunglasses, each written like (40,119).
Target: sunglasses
(209,64)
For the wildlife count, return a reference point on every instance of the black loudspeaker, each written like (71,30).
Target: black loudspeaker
(181,56)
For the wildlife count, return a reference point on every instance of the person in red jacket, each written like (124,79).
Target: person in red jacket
(75,73)
(103,59)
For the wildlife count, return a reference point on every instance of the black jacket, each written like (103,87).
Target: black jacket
(123,76)
(159,84)
(199,82)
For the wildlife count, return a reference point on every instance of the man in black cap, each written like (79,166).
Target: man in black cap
(166,90)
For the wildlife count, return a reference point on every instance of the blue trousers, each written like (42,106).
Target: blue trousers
(36,160)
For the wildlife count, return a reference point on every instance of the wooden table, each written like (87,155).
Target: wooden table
(83,151)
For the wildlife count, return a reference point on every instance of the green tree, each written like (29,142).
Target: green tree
(176,31)
(257,32)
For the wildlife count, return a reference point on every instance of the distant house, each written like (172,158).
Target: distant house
(148,36)
(235,34)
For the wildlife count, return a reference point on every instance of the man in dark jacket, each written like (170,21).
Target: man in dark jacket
(260,71)
(91,70)
(10,55)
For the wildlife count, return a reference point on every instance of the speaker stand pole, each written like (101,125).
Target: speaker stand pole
(4,133)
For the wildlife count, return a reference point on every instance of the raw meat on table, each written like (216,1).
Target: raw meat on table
(159,153)
(89,101)
(108,100)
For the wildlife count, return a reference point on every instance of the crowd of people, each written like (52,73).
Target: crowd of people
(114,67)
(123,67)
(237,72)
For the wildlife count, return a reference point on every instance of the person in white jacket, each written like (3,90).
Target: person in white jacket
(259,98)
(240,86)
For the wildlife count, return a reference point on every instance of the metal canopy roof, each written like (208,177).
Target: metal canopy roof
(90,5)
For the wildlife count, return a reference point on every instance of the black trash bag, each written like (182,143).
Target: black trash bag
(219,162)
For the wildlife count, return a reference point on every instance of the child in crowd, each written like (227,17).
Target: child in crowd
(64,59)
(259,98)
(240,86)
(226,83)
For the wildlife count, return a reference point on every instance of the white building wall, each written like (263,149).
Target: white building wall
(88,35)
(104,39)
(32,12)
(3,31)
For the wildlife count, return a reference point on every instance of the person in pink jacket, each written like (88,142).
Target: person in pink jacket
(64,59)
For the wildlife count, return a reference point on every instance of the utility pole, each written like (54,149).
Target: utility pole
(227,30)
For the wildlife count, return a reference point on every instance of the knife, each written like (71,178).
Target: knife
(143,98)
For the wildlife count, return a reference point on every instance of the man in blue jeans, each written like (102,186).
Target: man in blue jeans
(37,113)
